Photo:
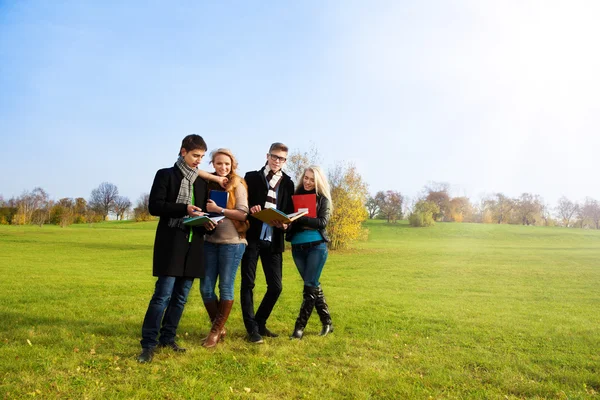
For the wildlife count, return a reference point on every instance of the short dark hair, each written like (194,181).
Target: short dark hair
(193,142)
(278,146)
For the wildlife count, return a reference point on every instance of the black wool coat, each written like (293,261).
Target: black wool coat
(257,195)
(173,254)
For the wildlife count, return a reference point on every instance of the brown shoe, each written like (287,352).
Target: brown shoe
(217,326)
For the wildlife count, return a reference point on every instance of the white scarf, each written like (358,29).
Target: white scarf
(274,179)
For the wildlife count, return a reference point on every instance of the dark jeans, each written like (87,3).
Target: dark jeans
(170,294)
(272,266)
(310,263)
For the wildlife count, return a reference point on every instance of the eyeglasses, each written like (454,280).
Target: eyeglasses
(277,158)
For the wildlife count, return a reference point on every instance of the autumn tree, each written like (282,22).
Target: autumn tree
(500,207)
(32,207)
(102,199)
(528,208)
(566,209)
(460,210)
(390,204)
(438,193)
(80,209)
(61,212)
(423,214)
(349,193)
(141,211)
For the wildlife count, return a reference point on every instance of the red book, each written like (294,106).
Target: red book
(306,202)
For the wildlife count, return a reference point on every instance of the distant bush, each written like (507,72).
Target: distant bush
(6,215)
(423,214)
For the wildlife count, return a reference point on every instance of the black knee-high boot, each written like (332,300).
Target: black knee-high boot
(323,311)
(309,298)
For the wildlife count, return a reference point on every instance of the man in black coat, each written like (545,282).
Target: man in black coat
(177,192)
(268,187)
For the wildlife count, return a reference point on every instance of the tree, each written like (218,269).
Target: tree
(102,199)
(141,211)
(500,208)
(461,210)
(423,214)
(297,161)
(591,213)
(32,207)
(61,212)
(372,207)
(80,210)
(529,208)
(390,204)
(122,205)
(348,192)
(566,209)
(437,192)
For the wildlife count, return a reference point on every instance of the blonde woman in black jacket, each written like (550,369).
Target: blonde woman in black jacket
(309,250)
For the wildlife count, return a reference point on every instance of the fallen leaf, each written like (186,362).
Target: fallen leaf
(247,390)
(92,351)
(76,350)
(29,342)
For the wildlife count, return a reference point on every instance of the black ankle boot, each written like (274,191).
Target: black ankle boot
(323,311)
(308,303)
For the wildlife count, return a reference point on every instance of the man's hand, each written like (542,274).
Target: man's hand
(223,181)
(194,211)
(279,224)
(255,209)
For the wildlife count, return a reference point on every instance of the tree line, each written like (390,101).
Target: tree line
(37,208)
(436,204)
(348,191)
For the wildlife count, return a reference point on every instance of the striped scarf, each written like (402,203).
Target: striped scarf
(185,190)
(274,179)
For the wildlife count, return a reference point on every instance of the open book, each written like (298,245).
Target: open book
(267,215)
(201,220)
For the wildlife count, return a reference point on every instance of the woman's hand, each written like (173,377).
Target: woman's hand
(194,211)
(209,225)
(211,206)
(255,209)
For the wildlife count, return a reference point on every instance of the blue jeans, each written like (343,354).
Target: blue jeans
(310,263)
(166,307)
(222,261)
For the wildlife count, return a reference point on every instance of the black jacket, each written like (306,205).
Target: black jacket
(173,254)
(257,195)
(319,223)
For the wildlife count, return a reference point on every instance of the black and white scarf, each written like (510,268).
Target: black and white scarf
(274,179)
(185,189)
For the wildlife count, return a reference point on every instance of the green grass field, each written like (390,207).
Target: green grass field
(452,311)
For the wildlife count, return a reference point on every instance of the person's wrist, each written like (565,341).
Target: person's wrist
(222,211)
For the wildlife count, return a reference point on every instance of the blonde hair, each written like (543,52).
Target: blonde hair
(228,153)
(321,183)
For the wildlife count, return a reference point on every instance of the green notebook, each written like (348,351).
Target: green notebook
(201,220)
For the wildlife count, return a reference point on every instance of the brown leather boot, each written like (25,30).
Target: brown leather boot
(219,323)
(212,308)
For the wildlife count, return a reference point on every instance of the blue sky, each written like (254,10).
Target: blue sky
(487,96)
